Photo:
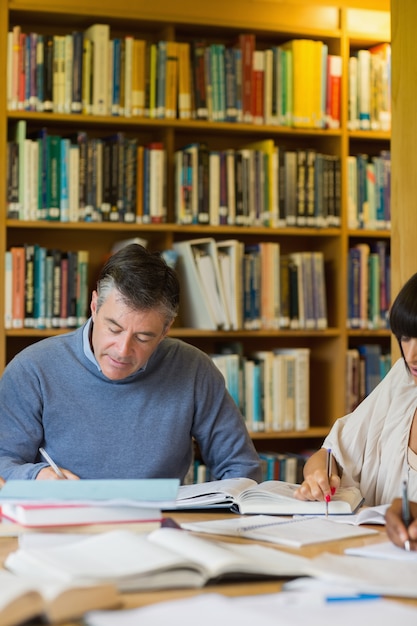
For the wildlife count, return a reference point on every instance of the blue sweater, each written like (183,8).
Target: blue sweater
(52,394)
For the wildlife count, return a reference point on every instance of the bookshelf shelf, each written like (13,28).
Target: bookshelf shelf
(342,31)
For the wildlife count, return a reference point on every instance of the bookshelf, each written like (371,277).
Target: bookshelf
(343,31)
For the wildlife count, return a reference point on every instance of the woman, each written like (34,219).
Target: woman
(375,447)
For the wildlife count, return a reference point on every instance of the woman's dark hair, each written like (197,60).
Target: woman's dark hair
(143,278)
(403,313)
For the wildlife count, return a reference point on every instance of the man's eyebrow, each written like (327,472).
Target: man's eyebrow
(147,333)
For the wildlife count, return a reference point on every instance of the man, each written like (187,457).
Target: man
(117,398)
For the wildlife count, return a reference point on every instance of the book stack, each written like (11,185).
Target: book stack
(260,184)
(87,503)
(230,285)
(45,288)
(366,366)
(84,178)
(295,84)
(270,387)
(369,189)
(370,88)
(369,280)
(48,287)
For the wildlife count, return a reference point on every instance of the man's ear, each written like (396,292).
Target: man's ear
(167,328)
(93,304)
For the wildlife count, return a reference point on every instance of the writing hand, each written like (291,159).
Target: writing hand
(395,527)
(47,473)
(320,481)
(317,486)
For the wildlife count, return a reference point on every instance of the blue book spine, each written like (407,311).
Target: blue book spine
(64,191)
(39,308)
(116,76)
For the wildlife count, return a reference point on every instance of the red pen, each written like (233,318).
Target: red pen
(329,473)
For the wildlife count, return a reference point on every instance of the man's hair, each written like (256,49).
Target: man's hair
(403,313)
(143,279)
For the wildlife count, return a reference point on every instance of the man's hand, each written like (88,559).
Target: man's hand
(396,530)
(47,473)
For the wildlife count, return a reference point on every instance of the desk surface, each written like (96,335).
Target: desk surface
(132,600)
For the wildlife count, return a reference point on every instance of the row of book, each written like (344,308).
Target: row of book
(370,88)
(369,191)
(229,285)
(369,285)
(114,178)
(270,387)
(285,466)
(366,366)
(45,288)
(297,83)
(260,184)
(85,178)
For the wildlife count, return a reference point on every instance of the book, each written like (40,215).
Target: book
(99,36)
(293,532)
(365,515)
(169,558)
(23,599)
(37,514)
(368,575)
(123,491)
(197,309)
(275,497)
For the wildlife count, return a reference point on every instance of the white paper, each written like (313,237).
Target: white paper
(281,609)
(290,531)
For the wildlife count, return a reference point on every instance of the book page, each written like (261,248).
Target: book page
(280,494)
(220,559)
(17,590)
(124,558)
(398,578)
(384,550)
(211,492)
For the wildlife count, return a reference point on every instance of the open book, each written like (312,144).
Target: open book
(166,558)
(274,497)
(22,599)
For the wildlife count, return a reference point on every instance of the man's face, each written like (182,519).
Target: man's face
(123,339)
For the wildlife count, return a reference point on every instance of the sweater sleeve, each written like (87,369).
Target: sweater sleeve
(220,431)
(21,431)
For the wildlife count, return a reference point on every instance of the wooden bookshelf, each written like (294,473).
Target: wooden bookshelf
(342,29)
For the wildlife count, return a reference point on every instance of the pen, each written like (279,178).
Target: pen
(406,512)
(52,463)
(353,598)
(329,473)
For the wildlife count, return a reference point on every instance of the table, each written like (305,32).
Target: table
(137,599)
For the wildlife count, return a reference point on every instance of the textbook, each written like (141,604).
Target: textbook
(153,492)
(22,599)
(164,558)
(275,497)
(43,515)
